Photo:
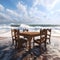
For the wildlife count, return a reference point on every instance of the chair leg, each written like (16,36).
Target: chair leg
(45,45)
(19,44)
(16,44)
(33,42)
(49,40)
(26,45)
(13,42)
(40,48)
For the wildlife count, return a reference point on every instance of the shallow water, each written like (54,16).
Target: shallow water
(7,51)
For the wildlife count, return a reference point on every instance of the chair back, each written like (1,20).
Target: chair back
(15,34)
(49,34)
(43,34)
(25,30)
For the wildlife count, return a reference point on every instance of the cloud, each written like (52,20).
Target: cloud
(22,8)
(34,11)
(1,7)
(33,14)
(36,15)
(4,18)
(12,13)
(56,6)
(4,15)
(49,17)
(49,4)
(37,2)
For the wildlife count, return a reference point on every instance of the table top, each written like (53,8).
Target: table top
(29,33)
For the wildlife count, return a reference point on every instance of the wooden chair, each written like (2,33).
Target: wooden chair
(16,38)
(48,34)
(25,30)
(42,39)
(13,36)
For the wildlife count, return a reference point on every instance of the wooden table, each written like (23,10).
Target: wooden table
(30,36)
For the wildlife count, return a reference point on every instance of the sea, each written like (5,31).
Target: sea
(5,29)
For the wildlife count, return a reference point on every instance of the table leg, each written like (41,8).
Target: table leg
(29,41)
(30,38)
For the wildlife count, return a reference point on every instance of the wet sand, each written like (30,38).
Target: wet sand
(2,38)
(7,51)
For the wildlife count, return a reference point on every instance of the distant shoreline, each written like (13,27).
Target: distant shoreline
(44,25)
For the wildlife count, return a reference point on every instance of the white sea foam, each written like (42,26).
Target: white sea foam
(5,31)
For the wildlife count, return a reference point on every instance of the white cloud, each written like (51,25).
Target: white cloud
(36,15)
(4,18)
(51,16)
(34,11)
(22,8)
(12,13)
(49,4)
(1,7)
(36,2)
(33,14)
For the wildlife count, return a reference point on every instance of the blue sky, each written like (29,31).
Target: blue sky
(30,11)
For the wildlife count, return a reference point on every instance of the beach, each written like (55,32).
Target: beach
(7,51)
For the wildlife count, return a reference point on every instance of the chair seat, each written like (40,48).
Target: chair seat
(38,41)
(22,40)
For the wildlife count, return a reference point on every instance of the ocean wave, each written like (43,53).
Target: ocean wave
(5,30)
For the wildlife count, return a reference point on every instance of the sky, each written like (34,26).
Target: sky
(30,11)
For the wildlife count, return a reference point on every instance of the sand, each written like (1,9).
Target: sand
(7,50)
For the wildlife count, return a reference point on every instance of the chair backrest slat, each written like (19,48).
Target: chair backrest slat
(49,34)
(43,34)
(25,30)
(49,31)
(15,33)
